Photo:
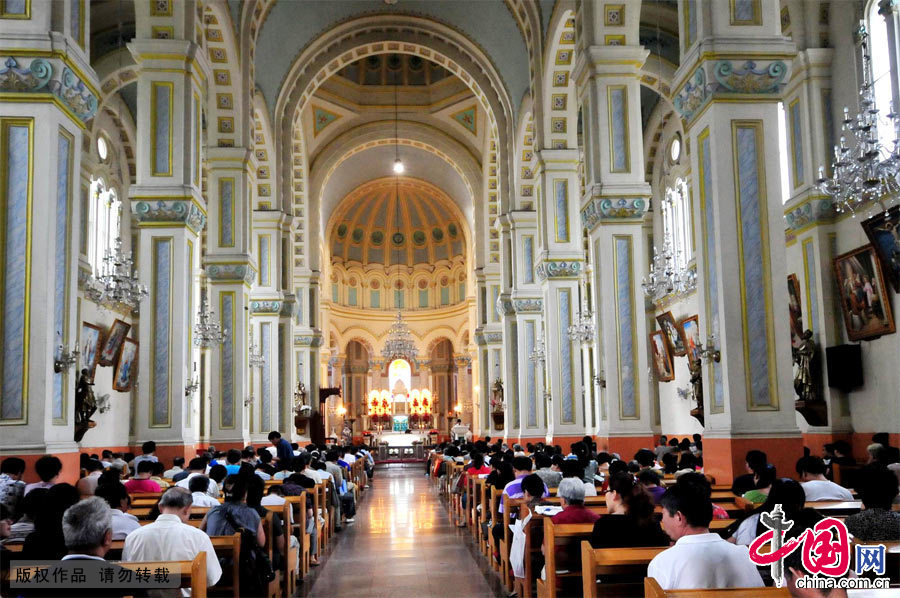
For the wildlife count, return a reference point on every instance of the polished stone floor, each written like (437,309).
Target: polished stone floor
(402,544)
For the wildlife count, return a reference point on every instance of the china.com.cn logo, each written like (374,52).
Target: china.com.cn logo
(825,549)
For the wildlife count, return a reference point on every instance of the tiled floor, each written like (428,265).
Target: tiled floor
(402,544)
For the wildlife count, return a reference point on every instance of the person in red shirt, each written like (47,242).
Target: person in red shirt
(571,495)
(141,481)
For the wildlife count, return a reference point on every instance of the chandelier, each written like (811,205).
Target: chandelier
(208,332)
(582,330)
(665,278)
(117,282)
(257,359)
(400,342)
(539,353)
(870,172)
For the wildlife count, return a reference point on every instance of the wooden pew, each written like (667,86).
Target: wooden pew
(845,475)
(320,511)
(273,589)
(652,589)
(546,588)
(144,512)
(613,561)
(291,556)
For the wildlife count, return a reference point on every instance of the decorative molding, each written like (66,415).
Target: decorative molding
(243,273)
(814,211)
(307,340)
(626,208)
(726,79)
(50,76)
(493,337)
(273,307)
(468,118)
(529,305)
(548,269)
(170,211)
(505,307)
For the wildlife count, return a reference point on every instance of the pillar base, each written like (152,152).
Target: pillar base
(625,446)
(725,458)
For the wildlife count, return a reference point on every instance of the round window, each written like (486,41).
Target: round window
(102,149)
(675,149)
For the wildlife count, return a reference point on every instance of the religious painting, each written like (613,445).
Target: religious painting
(864,298)
(883,231)
(673,333)
(794,307)
(662,358)
(90,347)
(690,330)
(126,366)
(113,342)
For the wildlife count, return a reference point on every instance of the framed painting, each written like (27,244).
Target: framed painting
(126,366)
(690,330)
(113,342)
(673,333)
(795,309)
(865,301)
(91,336)
(883,231)
(662,358)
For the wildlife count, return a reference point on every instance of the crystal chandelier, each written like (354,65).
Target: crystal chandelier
(117,282)
(582,330)
(539,353)
(257,359)
(868,172)
(207,331)
(665,278)
(400,342)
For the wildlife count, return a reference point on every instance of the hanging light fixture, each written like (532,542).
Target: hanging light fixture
(399,342)
(207,331)
(869,172)
(398,163)
(117,283)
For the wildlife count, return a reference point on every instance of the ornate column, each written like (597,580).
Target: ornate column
(170,212)
(558,267)
(614,211)
(48,92)
(731,110)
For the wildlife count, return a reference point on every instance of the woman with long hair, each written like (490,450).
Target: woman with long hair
(790,495)
(630,520)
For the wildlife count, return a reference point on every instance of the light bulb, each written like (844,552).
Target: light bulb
(398,166)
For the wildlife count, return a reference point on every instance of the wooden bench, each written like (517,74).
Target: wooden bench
(845,475)
(193,573)
(144,512)
(614,561)
(289,579)
(571,532)
(652,589)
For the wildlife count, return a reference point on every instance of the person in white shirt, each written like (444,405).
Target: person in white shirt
(149,454)
(198,486)
(212,488)
(812,477)
(459,430)
(116,496)
(177,467)
(170,538)
(88,484)
(699,559)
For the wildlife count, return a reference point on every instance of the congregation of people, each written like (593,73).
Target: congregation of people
(53,520)
(660,497)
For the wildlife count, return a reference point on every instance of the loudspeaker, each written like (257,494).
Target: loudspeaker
(844,367)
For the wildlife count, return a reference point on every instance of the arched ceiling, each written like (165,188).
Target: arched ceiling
(291,26)
(396,221)
(376,162)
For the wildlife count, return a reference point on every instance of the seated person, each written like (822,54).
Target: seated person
(223,519)
(630,520)
(876,522)
(790,495)
(698,559)
(754,461)
(812,477)
(116,496)
(142,482)
(198,486)
(763,478)
(652,483)
(158,476)
(571,495)
(545,470)
(88,484)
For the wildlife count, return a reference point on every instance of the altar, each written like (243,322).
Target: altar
(401,438)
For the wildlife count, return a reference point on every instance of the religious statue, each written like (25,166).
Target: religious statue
(808,403)
(803,356)
(694,365)
(347,435)
(497,396)
(302,410)
(85,405)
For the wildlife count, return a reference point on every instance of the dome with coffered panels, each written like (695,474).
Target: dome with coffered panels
(387,222)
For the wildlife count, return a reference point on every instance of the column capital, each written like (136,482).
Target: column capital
(608,61)
(180,54)
(167,211)
(235,269)
(38,75)
(231,158)
(724,76)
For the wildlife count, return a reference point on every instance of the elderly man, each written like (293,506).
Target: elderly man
(170,538)
(87,529)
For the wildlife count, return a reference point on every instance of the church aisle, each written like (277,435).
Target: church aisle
(402,543)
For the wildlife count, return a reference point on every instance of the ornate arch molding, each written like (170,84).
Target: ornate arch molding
(416,135)
(432,345)
(263,149)
(556,118)
(114,71)
(659,119)
(228,103)
(365,343)
(358,38)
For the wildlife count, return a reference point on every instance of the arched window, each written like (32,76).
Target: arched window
(676,213)
(879,49)
(103,223)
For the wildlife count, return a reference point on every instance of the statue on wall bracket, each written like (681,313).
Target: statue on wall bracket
(85,405)
(809,401)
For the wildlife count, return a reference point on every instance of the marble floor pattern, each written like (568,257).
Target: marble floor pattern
(402,544)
